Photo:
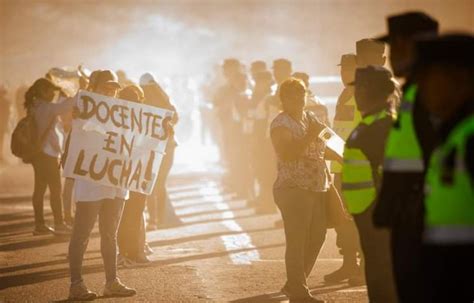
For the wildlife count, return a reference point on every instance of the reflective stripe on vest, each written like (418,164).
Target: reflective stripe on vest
(402,150)
(449,235)
(343,129)
(449,195)
(358,186)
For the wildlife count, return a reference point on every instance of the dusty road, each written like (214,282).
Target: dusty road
(222,252)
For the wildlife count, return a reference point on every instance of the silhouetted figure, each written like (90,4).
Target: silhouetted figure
(407,152)
(263,163)
(223,106)
(300,187)
(444,74)
(231,105)
(361,176)
(160,208)
(347,117)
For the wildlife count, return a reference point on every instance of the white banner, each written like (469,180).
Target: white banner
(116,143)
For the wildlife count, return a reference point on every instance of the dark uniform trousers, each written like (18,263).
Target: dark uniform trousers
(375,243)
(405,211)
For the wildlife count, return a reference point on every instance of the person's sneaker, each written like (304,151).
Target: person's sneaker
(117,289)
(148,250)
(42,230)
(79,292)
(341,274)
(62,230)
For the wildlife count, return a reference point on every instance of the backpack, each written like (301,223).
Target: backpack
(25,143)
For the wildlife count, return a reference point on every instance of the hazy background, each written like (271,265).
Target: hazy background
(187,38)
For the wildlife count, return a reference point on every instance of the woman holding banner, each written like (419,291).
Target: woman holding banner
(105,202)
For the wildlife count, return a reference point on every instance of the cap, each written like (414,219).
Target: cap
(348,59)
(370,46)
(264,76)
(374,76)
(281,63)
(410,24)
(147,79)
(258,65)
(455,49)
(302,76)
(103,77)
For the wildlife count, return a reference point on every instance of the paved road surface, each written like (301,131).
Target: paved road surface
(222,252)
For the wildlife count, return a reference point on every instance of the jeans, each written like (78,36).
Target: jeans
(131,231)
(375,244)
(304,221)
(109,212)
(47,174)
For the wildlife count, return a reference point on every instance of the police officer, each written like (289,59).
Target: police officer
(445,73)
(407,150)
(361,176)
(346,119)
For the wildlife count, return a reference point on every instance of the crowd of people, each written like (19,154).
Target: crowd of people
(399,195)
(402,238)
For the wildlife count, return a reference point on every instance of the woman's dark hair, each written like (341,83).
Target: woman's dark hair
(30,96)
(289,88)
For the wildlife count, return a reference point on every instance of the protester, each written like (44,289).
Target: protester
(407,152)
(105,202)
(444,73)
(225,111)
(39,103)
(300,187)
(131,236)
(363,159)
(159,205)
(261,149)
